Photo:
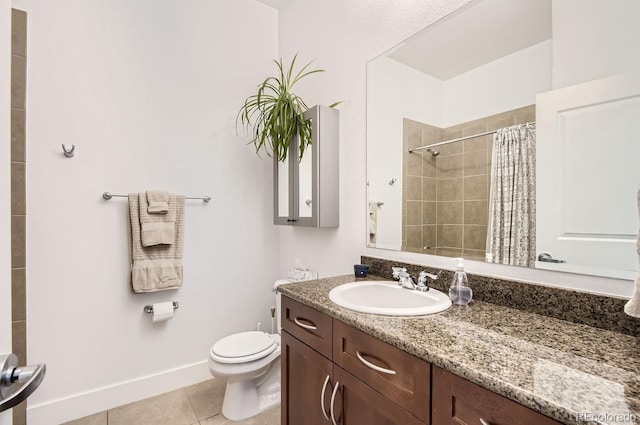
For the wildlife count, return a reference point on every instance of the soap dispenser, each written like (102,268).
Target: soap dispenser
(459,292)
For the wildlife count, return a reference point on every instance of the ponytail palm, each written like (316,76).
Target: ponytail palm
(274,115)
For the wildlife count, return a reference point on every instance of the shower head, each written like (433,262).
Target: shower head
(433,152)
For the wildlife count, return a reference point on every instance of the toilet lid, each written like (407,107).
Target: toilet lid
(243,347)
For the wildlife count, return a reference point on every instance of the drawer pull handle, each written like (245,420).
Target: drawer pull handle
(324,388)
(374,367)
(333,399)
(311,327)
(483,422)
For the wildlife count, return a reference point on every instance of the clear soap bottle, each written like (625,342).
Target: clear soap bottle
(459,292)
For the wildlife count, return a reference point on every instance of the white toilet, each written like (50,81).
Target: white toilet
(251,363)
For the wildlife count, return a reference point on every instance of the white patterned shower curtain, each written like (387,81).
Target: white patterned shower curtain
(512,227)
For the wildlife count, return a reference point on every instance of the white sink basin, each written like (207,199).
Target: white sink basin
(385,297)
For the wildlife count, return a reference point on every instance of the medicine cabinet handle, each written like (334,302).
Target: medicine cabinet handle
(17,383)
(324,388)
(310,327)
(483,422)
(374,367)
(333,399)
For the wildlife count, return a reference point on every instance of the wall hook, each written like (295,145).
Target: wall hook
(392,181)
(68,153)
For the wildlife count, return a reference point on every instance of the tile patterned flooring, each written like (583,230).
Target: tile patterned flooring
(198,404)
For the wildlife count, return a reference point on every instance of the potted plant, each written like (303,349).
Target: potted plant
(275,114)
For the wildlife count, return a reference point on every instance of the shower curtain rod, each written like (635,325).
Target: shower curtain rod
(446,142)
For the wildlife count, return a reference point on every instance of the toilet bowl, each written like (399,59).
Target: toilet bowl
(251,363)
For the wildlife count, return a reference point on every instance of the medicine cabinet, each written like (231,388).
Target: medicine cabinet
(306,189)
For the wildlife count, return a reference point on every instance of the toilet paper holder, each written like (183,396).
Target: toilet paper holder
(149,308)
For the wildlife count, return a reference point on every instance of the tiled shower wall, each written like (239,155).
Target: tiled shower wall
(446,201)
(18,194)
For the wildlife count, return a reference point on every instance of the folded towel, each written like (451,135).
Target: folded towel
(157,229)
(158,267)
(632,308)
(158,202)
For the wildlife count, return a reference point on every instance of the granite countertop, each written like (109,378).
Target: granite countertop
(573,373)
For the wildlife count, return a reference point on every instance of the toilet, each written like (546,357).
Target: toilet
(251,363)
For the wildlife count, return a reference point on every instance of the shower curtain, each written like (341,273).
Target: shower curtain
(512,233)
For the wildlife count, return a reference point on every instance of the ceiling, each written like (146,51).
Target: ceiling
(476,35)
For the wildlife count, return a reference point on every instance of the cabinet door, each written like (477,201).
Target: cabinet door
(460,402)
(359,404)
(304,374)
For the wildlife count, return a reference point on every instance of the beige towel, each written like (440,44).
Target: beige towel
(158,202)
(157,229)
(632,308)
(159,267)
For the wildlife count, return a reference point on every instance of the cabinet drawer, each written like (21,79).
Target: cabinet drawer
(308,325)
(456,400)
(401,377)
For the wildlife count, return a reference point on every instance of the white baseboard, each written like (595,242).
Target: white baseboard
(97,400)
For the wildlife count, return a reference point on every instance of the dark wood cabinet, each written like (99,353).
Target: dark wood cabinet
(457,401)
(304,373)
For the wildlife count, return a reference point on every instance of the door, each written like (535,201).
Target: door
(5,187)
(306,384)
(587,176)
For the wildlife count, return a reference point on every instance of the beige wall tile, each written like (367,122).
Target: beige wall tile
(429,212)
(19,340)
(18,32)
(20,414)
(414,238)
(414,135)
(449,189)
(414,188)
(18,237)
(413,164)
(18,81)
(429,189)
(18,135)
(476,212)
(504,121)
(429,238)
(448,167)
(476,163)
(449,212)
(449,235)
(476,187)
(414,213)
(451,148)
(475,237)
(449,252)
(471,254)
(18,194)
(18,294)
(429,165)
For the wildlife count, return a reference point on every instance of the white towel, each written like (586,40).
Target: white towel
(632,308)
(159,267)
(373,218)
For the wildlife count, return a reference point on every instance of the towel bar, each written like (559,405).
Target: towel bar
(149,308)
(109,195)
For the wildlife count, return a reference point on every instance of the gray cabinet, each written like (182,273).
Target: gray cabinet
(306,190)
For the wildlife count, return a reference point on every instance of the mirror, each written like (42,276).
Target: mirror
(436,102)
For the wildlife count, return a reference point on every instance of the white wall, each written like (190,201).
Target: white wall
(396,91)
(609,28)
(517,78)
(148,92)
(5,187)
(359,31)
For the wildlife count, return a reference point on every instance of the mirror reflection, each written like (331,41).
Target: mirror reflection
(455,163)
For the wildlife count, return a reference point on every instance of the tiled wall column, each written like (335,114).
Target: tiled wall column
(18,194)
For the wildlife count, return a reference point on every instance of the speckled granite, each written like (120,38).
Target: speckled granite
(558,368)
(578,307)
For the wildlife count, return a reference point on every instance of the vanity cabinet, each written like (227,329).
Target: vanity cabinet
(306,189)
(458,401)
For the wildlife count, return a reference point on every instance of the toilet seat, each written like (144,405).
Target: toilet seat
(243,347)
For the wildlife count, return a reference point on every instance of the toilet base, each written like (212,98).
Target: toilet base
(244,398)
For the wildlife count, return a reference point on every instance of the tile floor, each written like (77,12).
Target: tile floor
(199,404)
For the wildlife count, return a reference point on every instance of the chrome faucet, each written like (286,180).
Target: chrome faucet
(407,281)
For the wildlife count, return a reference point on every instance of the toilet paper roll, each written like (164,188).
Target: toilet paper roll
(162,311)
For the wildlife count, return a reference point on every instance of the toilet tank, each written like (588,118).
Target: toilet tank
(279,302)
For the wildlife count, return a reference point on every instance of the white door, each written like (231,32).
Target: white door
(5,187)
(588,175)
